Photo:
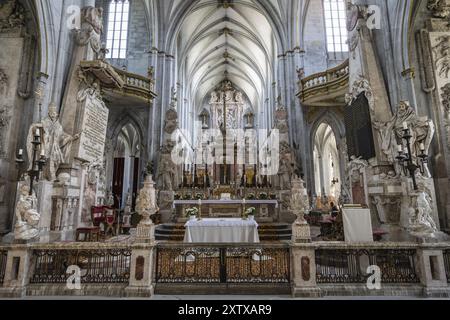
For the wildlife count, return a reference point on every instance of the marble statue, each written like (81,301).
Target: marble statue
(27,217)
(56,143)
(421,221)
(422,131)
(91,29)
(166,174)
(284,174)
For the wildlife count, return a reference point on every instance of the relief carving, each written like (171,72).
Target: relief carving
(12,15)
(442,54)
(439,8)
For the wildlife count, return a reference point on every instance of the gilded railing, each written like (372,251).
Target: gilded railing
(323,82)
(222,264)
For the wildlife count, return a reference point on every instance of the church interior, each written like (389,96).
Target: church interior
(295,147)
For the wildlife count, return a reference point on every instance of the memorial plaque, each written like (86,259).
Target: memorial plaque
(358,127)
(94,127)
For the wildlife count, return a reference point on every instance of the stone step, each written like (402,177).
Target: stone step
(267,232)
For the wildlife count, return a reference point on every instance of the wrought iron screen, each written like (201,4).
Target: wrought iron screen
(96,265)
(222,264)
(350,266)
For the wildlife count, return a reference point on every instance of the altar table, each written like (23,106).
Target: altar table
(218,230)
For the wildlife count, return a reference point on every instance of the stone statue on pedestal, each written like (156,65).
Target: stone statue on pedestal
(421,129)
(56,143)
(27,217)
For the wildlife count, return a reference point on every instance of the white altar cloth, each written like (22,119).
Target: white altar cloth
(216,230)
(357,225)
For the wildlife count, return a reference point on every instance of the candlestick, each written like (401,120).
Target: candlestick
(400,149)
(405,125)
(20,152)
(38,133)
(42,152)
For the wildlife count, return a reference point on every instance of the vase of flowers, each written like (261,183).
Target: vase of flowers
(249,213)
(251,196)
(192,213)
(263,196)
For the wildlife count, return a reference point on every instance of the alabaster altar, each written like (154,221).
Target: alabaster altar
(266,210)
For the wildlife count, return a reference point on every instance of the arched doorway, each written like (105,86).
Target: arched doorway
(127,155)
(327,174)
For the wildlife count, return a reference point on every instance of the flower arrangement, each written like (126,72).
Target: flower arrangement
(251,196)
(263,196)
(192,212)
(177,197)
(199,196)
(249,212)
(187,197)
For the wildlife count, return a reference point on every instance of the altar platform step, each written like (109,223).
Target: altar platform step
(267,232)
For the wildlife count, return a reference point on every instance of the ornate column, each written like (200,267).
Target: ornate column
(433,41)
(17,49)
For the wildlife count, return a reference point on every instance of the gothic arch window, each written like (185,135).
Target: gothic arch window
(336,28)
(117,36)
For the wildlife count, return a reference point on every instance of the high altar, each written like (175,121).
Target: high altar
(224,171)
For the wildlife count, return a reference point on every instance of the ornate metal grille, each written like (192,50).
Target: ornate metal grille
(222,264)
(97,266)
(447,264)
(350,266)
(3,257)
(188,265)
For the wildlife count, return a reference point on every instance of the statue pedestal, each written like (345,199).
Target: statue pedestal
(45,193)
(165,204)
(301,232)
(145,233)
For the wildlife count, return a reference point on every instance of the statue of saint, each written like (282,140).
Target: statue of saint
(422,131)
(284,173)
(27,217)
(421,220)
(56,144)
(166,174)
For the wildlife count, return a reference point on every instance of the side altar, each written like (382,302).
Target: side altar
(266,210)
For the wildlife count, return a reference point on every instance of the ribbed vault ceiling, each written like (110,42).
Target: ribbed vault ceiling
(220,40)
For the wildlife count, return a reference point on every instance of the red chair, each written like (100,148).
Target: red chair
(110,218)
(98,216)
